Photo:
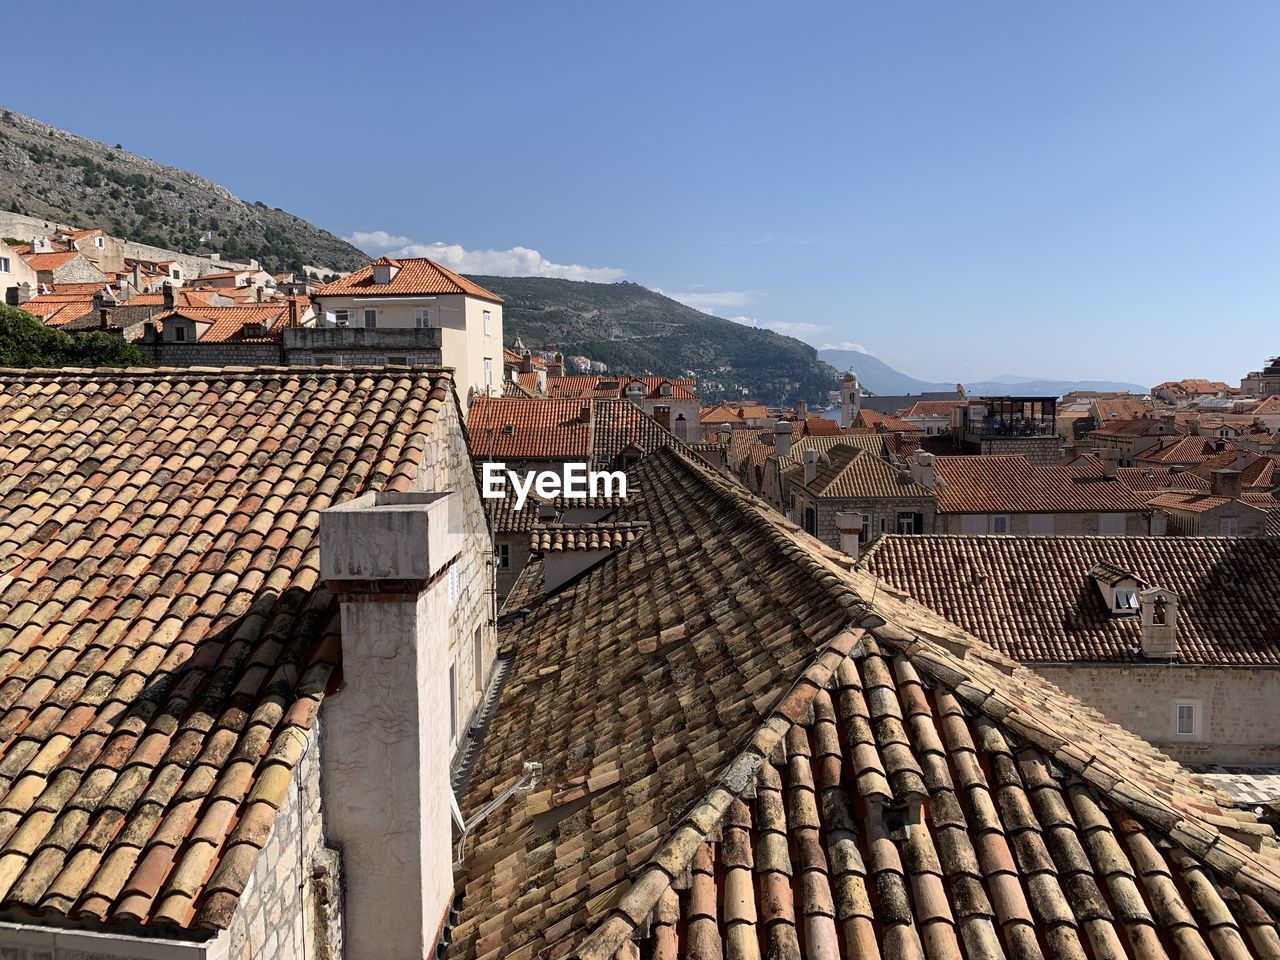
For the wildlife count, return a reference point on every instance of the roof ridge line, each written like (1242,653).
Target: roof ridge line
(691,830)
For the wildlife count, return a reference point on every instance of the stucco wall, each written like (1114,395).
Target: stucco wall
(1240,722)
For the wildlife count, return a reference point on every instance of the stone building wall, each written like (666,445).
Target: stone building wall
(1064,524)
(1249,521)
(76,270)
(518,551)
(883,513)
(447,466)
(1239,719)
(291,907)
(1041,451)
(213,354)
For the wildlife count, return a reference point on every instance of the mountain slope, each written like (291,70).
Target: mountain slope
(878,377)
(635,330)
(46,172)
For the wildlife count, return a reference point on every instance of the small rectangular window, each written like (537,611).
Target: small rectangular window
(488,324)
(453,701)
(422,318)
(1186,719)
(1126,600)
(179,333)
(810,521)
(503,553)
(1000,524)
(371,319)
(488,372)
(4,264)
(477,654)
(865,533)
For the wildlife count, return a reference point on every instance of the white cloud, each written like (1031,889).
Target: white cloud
(515,262)
(791,329)
(712,301)
(845,345)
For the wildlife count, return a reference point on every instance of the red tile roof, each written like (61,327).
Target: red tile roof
(1157,479)
(875,420)
(227,323)
(1186,450)
(1010,484)
(165,641)
(533,429)
(931,408)
(856,474)
(1131,408)
(1032,598)
(51,261)
(415,277)
(736,734)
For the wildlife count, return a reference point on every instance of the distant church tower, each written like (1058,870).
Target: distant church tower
(850,399)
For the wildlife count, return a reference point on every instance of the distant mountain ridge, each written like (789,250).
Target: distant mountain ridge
(637,330)
(49,173)
(878,377)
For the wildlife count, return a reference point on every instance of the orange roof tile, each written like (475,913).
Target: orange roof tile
(415,277)
(166,533)
(1010,484)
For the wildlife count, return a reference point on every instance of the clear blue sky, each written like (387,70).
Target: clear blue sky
(964,189)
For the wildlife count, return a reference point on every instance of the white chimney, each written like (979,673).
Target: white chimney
(811,466)
(1159,612)
(922,470)
(782,438)
(849,526)
(388,734)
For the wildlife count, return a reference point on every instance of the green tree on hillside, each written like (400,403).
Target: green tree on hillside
(26,342)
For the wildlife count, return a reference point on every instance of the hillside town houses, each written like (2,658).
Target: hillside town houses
(909,677)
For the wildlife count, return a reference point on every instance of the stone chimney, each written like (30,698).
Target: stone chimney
(782,438)
(1158,609)
(584,415)
(168,296)
(1110,463)
(802,409)
(922,470)
(849,526)
(556,367)
(1193,426)
(1226,483)
(526,362)
(811,461)
(388,732)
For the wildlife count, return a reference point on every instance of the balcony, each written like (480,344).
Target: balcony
(347,339)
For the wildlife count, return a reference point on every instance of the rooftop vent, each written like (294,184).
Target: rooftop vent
(508,429)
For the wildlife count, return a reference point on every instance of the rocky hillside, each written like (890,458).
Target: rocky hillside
(635,330)
(46,172)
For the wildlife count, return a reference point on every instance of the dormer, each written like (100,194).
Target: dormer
(636,388)
(1118,587)
(665,389)
(384,270)
(569,550)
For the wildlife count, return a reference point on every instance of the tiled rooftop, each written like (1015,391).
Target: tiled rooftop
(1145,480)
(570,537)
(854,473)
(508,428)
(1186,450)
(1010,484)
(736,730)
(164,639)
(1031,597)
(415,277)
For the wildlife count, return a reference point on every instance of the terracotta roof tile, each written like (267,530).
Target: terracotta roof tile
(1031,597)
(764,725)
(1010,484)
(415,277)
(569,537)
(159,535)
(853,473)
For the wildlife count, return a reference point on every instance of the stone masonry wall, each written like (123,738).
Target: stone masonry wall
(447,466)
(213,354)
(882,510)
(291,907)
(1239,720)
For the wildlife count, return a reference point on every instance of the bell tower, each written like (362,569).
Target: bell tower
(850,399)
